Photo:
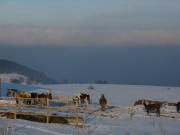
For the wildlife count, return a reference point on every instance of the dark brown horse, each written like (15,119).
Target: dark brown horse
(35,98)
(102,102)
(178,106)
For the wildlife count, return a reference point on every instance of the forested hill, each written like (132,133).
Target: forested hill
(17,73)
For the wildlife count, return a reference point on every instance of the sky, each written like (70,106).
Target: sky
(86,40)
(82,22)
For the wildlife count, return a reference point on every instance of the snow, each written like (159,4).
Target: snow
(116,119)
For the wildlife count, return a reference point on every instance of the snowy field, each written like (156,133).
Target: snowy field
(116,119)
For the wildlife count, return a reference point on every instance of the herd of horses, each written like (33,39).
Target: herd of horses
(29,97)
(150,105)
(80,98)
(35,98)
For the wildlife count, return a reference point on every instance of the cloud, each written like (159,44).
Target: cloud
(56,36)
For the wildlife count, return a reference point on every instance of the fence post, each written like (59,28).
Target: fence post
(85,113)
(5,129)
(77,119)
(0,87)
(131,109)
(89,130)
(47,106)
(15,108)
(153,122)
(86,107)
(19,104)
(67,100)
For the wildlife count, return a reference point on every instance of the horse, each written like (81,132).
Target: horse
(102,102)
(12,92)
(81,97)
(155,105)
(151,107)
(20,94)
(178,106)
(35,98)
(43,97)
(26,96)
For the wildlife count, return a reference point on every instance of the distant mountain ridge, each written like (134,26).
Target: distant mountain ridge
(22,74)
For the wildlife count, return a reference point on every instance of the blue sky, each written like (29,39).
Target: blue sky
(84,22)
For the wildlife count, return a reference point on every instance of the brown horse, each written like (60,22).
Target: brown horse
(43,97)
(151,105)
(20,94)
(154,106)
(102,102)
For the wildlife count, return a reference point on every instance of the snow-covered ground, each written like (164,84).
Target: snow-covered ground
(116,119)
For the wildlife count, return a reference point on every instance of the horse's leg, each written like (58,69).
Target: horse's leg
(17,101)
(29,101)
(158,112)
(147,110)
(82,101)
(35,101)
(43,100)
(177,108)
(88,100)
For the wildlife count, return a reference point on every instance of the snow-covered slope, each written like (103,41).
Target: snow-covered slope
(116,119)
(17,78)
(22,74)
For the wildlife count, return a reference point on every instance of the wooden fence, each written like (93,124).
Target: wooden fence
(19,105)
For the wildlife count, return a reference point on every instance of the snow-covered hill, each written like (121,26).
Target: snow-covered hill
(17,73)
(17,78)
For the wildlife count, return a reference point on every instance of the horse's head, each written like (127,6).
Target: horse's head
(50,95)
(76,100)
(136,103)
(11,92)
(8,92)
(147,102)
